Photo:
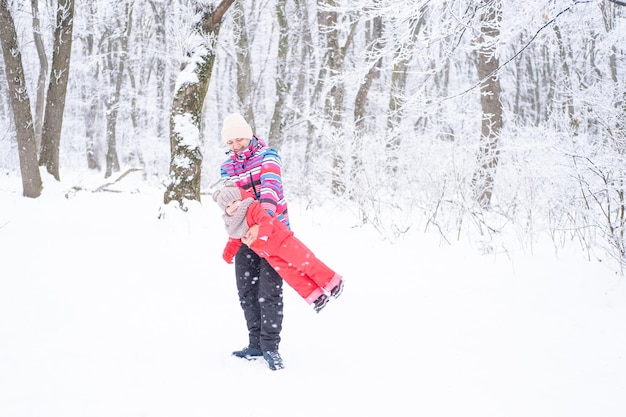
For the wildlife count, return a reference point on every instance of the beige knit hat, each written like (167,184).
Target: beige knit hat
(229,193)
(235,126)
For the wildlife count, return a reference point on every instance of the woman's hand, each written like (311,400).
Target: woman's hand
(251,234)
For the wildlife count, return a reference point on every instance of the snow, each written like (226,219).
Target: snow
(108,311)
(187,132)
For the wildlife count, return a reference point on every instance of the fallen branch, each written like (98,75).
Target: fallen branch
(108,184)
(101,188)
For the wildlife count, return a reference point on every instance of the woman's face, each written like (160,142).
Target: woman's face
(238,145)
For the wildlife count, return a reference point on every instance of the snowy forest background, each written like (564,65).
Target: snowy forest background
(472,118)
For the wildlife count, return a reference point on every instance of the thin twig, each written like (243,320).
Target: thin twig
(481,81)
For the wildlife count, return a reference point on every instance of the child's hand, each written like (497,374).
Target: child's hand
(231,249)
(251,234)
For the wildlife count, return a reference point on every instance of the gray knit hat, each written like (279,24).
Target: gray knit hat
(229,193)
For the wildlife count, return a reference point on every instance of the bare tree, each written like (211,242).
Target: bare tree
(244,65)
(333,61)
(159,9)
(20,102)
(375,45)
(565,57)
(57,88)
(487,65)
(185,118)
(116,71)
(282,81)
(90,92)
(609,18)
(43,72)
(403,53)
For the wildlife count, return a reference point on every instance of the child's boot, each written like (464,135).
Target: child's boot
(337,290)
(320,303)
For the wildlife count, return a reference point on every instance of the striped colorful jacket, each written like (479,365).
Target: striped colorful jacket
(259,168)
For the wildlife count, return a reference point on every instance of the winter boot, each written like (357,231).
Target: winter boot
(320,303)
(248,353)
(274,361)
(337,290)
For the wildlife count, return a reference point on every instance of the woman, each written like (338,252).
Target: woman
(254,166)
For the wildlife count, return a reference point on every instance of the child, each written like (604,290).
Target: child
(247,222)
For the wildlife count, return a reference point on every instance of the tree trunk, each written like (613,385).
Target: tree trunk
(619,99)
(282,76)
(159,9)
(395,113)
(136,155)
(374,50)
(57,88)
(244,80)
(376,44)
(305,94)
(334,100)
(490,103)
(185,119)
(568,103)
(91,98)
(333,105)
(112,160)
(43,73)
(20,102)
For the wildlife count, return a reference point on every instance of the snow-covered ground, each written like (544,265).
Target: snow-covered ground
(107,311)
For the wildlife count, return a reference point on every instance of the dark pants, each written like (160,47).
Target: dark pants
(261,298)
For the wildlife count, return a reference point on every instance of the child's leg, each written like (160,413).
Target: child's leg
(299,256)
(304,286)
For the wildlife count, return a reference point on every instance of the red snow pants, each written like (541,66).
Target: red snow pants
(301,269)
